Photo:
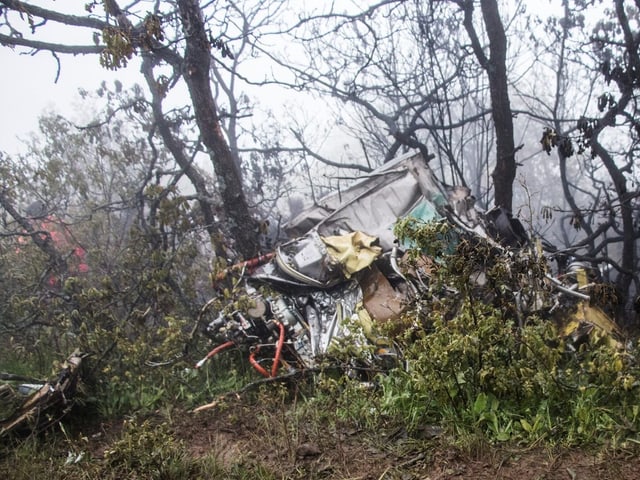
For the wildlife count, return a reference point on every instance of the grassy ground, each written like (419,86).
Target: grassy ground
(279,437)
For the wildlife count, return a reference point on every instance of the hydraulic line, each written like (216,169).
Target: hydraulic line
(276,358)
(214,352)
(256,365)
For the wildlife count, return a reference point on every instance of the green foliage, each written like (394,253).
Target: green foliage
(535,392)
(149,449)
(31,457)
(348,401)
(136,303)
(471,369)
(144,450)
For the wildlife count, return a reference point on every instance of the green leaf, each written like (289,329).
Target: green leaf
(526,426)
(480,405)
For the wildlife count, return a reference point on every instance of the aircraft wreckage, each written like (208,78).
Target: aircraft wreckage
(344,267)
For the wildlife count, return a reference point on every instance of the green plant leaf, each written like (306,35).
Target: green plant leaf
(526,426)
(480,405)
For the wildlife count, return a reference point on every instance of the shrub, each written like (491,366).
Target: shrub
(470,367)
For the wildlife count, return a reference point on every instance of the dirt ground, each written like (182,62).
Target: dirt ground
(244,435)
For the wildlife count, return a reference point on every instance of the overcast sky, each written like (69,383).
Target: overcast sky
(29,88)
(28,85)
(28,82)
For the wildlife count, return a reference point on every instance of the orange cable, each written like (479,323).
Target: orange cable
(276,359)
(215,351)
(256,365)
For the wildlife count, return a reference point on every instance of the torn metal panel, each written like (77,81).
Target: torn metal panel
(319,262)
(389,175)
(382,302)
(402,187)
(586,322)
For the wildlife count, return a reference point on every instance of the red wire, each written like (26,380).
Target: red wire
(256,365)
(252,355)
(215,351)
(219,348)
(276,359)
